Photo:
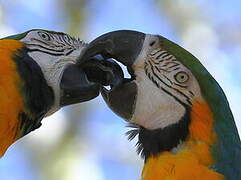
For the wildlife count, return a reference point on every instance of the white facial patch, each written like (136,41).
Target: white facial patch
(154,109)
(53,52)
(165,87)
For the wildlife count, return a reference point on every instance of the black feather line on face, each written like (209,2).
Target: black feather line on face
(153,142)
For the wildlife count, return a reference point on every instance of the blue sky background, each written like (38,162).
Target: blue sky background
(99,149)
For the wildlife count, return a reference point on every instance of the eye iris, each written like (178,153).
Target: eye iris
(182,77)
(44,36)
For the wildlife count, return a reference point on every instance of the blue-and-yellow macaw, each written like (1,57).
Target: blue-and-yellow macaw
(185,127)
(38,75)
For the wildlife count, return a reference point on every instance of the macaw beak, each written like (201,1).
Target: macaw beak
(82,82)
(75,86)
(124,46)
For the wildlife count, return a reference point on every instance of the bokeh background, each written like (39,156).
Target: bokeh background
(87,141)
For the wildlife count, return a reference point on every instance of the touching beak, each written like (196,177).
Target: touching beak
(82,83)
(75,86)
(124,46)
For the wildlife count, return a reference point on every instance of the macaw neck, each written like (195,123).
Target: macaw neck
(152,142)
(192,159)
(25,96)
(52,70)
(9,107)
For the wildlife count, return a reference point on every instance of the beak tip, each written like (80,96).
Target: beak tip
(104,93)
(121,99)
(75,87)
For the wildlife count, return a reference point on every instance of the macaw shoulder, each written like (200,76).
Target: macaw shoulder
(11,101)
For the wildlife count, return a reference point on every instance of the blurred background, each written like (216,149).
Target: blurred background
(87,141)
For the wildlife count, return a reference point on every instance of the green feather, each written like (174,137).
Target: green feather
(227,150)
(17,36)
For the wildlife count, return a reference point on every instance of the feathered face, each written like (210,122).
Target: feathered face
(56,54)
(166,88)
(53,52)
(55,44)
(161,89)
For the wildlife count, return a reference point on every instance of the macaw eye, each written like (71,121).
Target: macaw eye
(45,36)
(181,77)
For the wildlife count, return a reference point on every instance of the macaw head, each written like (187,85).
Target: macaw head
(41,73)
(170,97)
(163,78)
(56,53)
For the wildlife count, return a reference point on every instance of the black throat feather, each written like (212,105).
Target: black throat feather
(38,96)
(153,142)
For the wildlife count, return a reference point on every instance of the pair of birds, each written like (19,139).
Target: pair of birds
(180,114)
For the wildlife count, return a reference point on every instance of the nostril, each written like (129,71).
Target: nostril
(152,43)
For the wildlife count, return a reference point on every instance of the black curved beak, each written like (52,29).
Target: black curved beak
(83,82)
(124,46)
(75,86)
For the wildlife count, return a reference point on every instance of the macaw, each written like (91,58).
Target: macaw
(185,128)
(39,75)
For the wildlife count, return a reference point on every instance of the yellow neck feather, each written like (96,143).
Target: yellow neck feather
(193,159)
(11,101)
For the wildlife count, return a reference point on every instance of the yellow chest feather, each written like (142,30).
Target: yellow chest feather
(194,158)
(11,101)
